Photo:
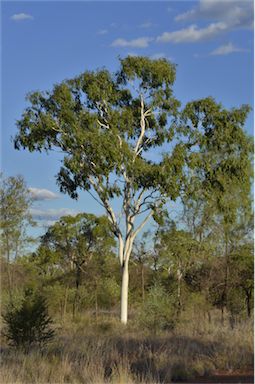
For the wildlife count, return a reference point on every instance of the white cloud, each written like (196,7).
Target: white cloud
(235,13)
(102,32)
(21,16)
(185,16)
(222,16)
(51,214)
(226,50)
(42,194)
(140,42)
(192,34)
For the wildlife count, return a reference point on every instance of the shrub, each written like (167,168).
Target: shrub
(28,325)
(157,313)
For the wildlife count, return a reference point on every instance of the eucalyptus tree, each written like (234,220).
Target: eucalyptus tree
(242,273)
(112,130)
(142,256)
(178,253)
(75,240)
(220,173)
(15,202)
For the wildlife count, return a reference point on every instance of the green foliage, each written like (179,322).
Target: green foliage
(241,264)
(15,201)
(221,163)
(178,249)
(56,294)
(29,325)
(17,297)
(108,293)
(242,279)
(95,119)
(157,312)
(68,248)
(76,238)
(111,128)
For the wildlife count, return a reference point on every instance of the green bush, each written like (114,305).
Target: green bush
(157,312)
(28,325)
(108,293)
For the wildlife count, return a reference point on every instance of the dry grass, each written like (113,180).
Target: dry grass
(107,353)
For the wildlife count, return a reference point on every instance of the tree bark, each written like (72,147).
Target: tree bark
(226,279)
(179,296)
(143,291)
(77,283)
(248,295)
(179,278)
(96,305)
(65,303)
(8,265)
(124,293)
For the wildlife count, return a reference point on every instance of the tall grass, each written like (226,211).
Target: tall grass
(106,352)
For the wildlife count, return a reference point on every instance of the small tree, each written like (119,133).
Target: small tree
(179,252)
(141,256)
(15,202)
(157,312)
(29,325)
(242,273)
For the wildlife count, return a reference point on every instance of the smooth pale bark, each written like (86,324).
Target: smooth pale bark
(132,207)
(124,293)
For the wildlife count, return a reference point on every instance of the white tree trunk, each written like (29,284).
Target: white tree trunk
(124,293)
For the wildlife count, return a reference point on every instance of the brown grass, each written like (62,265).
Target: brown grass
(84,352)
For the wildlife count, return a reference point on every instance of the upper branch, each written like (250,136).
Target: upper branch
(138,147)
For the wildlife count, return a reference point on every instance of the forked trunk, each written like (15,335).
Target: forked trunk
(124,293)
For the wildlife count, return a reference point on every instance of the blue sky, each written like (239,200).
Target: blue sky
(45,42)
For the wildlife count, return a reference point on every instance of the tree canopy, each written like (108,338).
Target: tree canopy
(123,136)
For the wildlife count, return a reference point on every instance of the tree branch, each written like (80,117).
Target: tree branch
(140,227)
(107,206)
(142,123)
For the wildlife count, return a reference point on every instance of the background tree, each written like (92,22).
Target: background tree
(179,252)
(220,171)
(73,242)
(142,259)
(242,276)
(110,126)
(15,202)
